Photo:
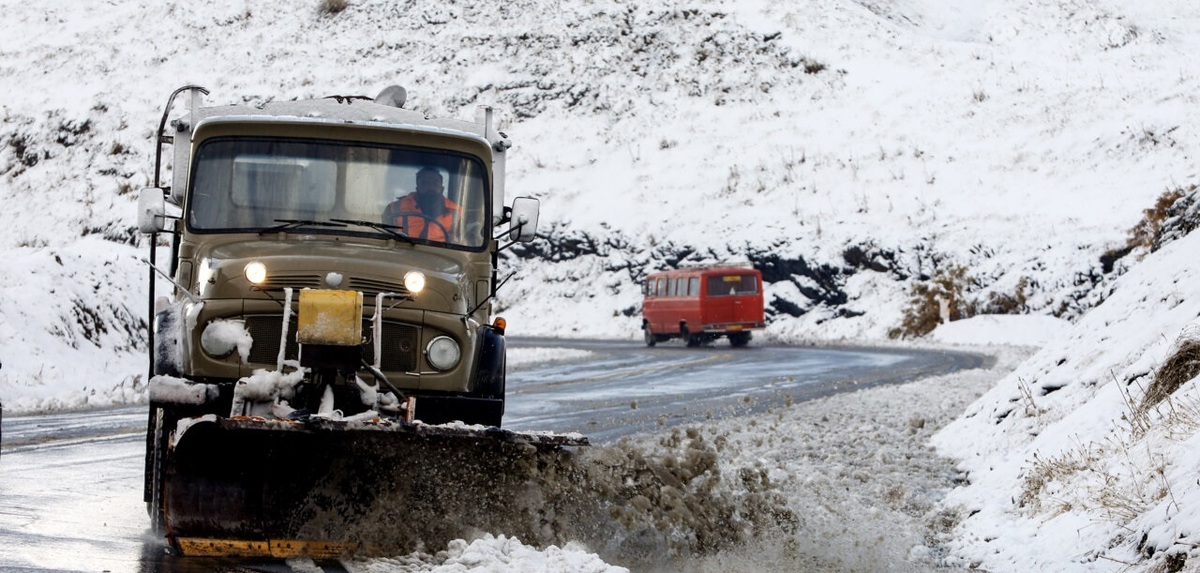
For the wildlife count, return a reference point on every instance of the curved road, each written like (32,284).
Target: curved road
(620,388)
(71,483)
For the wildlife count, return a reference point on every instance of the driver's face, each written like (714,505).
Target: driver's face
(429,183)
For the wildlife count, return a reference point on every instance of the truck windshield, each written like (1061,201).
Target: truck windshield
(272,184)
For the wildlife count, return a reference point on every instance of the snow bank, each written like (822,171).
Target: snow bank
(1005,330)
(1065,472)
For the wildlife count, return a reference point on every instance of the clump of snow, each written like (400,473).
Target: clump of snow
(265,385)
(231,334)
(492,553)
(172,390)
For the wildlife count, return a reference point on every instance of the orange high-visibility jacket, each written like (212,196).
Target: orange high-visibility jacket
(405,213)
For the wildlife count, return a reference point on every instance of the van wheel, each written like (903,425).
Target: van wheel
(651,340)
(738,339)
(692,340)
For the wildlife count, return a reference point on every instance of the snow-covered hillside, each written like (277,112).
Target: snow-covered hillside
(850,149)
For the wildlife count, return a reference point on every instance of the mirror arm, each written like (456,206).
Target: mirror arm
(511,275)
(517,228)
(509,232)
(178,286)
(491,296)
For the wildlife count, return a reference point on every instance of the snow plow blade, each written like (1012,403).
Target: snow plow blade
(321,488)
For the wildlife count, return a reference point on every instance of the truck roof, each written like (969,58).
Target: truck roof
(341,111)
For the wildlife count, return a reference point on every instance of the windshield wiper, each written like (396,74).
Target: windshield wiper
(286,224)
(391,230)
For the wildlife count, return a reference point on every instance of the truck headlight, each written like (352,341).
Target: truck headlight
(256,272)
(414,281)
(442,353)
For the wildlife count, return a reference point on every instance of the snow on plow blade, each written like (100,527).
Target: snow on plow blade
(321,488)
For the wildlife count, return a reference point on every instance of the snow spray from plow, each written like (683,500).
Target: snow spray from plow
(391,493)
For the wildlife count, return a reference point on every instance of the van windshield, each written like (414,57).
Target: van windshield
(727,285)
(268,184)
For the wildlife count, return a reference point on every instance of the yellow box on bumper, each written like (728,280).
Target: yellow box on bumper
(330,317)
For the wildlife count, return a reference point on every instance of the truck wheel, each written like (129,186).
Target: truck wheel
(651,340)
(156,459)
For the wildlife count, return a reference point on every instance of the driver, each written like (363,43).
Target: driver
(425,214)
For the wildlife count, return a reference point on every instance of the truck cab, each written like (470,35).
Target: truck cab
(307,276)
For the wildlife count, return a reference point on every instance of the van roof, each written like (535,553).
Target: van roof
(707,269)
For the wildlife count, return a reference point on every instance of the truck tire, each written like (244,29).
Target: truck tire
(156,458)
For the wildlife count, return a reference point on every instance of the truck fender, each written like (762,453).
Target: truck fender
(490,364)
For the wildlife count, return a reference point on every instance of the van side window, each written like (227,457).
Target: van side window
(661,287)
(693,286)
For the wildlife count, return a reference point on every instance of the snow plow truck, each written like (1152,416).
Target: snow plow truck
(332,267)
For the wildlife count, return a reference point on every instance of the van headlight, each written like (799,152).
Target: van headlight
(442,353)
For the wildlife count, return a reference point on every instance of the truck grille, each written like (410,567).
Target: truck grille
(400,346)
(297,282)
(369,287)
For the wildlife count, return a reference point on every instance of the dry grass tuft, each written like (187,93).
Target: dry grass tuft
(1045,471)
(924,312)
(1147,230)
(331,7)
(1175,372)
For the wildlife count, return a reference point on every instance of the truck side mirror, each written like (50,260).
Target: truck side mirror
(524,219)
(151,211)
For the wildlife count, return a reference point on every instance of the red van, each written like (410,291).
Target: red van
(701,304)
